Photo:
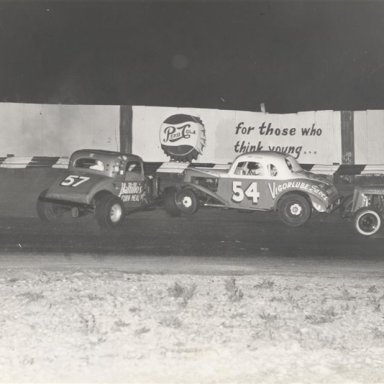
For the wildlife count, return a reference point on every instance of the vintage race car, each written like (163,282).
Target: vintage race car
(259,181)
(367,209)
(105,183)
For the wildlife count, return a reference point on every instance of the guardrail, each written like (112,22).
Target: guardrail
(33,162)
(62,162)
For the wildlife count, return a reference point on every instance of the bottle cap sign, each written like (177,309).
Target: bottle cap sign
(182,137)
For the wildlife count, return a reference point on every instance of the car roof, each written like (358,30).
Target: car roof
(103,154)
(262,155)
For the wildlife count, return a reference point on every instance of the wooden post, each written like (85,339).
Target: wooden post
(347,138)
(126,117)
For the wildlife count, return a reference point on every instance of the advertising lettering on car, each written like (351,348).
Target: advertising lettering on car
(275,189)
(132,191)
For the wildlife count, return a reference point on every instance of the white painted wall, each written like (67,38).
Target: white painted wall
(369,137)
(230,132)
(57,130)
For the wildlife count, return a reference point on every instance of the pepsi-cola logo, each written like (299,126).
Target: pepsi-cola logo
(173,133)
(182,137)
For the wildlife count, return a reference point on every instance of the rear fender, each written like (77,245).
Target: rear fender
(99,195)
(83,193)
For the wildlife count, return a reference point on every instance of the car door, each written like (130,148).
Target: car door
(133,188)
(246,186)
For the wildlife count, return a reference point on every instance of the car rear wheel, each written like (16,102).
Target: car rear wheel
(367,221)
(187,201)
(48,212)
(294,210)
(169,202)
(109,211)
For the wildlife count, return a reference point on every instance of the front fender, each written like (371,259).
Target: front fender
(316,202)
(203,190)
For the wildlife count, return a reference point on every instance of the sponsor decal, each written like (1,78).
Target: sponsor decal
(131,191)
(276,189)
(182,137)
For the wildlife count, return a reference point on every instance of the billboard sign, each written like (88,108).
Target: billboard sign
(218,136)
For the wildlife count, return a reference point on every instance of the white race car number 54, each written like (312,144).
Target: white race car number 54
(74,181)
(239,193)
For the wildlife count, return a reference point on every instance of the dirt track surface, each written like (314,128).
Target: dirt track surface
(221,297)
(207,233)
(86,325)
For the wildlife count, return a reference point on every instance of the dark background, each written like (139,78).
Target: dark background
(291,55)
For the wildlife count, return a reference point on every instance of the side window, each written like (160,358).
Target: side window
(240,169)
(272,170)
(254,168)
(133,167)
(289,165)
(87,163)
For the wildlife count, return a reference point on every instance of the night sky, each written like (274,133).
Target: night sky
(292,56)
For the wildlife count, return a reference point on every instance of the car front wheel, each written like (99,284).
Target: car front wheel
(367,221)
(169,202)
(109,211)
(294,210)
(187,201)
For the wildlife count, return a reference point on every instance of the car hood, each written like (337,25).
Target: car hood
(205,172)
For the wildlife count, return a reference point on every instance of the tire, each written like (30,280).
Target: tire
(48,212)
(346,207)
(367,221)
(294,210)
(187,201)
(110,212)
(169,202)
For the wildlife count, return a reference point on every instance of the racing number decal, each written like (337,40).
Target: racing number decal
(74,181)
(239,193)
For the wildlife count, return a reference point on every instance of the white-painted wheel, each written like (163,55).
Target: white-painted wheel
(294,209)
(109,211)
(367,221)
(115,213)
(187,201)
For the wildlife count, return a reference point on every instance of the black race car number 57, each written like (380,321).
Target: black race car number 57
(239,193)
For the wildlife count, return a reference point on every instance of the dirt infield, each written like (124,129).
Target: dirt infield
(101,325)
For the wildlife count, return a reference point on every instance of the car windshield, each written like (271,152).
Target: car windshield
(293,165)
(133,166)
